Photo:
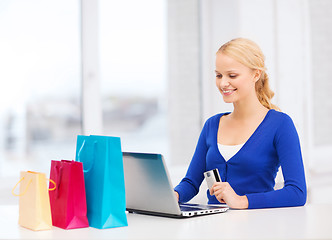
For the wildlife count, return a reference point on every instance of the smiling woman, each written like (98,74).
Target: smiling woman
(242,59)
(259,138)
(235,81)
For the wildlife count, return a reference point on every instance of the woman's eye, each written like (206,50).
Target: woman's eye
(218,76)
(232,76)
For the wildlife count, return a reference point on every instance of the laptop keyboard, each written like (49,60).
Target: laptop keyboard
(187,208)
(199,207)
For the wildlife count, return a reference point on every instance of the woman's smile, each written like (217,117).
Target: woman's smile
(227,92)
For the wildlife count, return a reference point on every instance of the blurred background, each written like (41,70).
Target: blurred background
(144,71)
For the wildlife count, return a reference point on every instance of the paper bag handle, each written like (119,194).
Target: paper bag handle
(58,171)
(26,189)
(94,156)
(54,184)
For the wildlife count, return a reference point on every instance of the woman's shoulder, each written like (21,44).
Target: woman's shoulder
(214,120)
(279,116)
(280,119)
(216,117)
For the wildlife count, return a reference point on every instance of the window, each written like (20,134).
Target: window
(40,76)
(133,73)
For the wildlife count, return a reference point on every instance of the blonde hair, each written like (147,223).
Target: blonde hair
(249,54)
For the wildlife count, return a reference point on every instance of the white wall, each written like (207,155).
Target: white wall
(183,79)
(91,94)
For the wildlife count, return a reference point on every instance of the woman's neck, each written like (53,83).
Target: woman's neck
(246,110)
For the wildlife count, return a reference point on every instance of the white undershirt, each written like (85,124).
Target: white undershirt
(228,151)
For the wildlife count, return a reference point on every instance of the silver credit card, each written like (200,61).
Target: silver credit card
(212,177)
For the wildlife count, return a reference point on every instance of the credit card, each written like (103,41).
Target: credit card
(212,177)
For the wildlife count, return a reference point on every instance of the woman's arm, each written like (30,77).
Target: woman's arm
(189,186)
(225,194)
(176,195)
(294,192)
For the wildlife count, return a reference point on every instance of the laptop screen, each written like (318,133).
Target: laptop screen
(148,187)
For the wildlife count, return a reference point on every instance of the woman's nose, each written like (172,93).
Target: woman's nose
(223,82)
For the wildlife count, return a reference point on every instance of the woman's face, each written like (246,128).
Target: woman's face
(235,81)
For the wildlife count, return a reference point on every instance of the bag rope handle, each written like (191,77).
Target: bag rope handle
(50,180)
(93,158)
(58,171)
(26,188)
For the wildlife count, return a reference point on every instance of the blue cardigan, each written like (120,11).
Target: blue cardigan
(252,170)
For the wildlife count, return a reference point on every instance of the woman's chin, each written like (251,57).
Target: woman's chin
(227,100)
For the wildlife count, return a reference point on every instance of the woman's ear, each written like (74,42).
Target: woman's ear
(257,74)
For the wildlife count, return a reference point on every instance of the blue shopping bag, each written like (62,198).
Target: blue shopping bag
(104,180)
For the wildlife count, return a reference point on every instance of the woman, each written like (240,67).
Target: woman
(249,144)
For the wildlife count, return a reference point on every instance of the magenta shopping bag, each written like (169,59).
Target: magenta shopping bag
(68,201)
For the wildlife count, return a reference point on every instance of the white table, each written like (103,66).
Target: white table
(309,222)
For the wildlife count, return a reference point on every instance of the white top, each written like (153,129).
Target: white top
(228,151)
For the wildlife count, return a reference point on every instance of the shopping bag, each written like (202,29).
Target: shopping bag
(104,180)
(34,202)
(68,201)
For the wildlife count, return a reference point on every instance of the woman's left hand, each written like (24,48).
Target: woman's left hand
(225,194)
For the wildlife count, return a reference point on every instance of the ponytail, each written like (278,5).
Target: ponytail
(264,93)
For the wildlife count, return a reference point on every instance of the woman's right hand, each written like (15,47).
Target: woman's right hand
(176,195)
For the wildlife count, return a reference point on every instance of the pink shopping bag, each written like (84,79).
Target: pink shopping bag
(68,201)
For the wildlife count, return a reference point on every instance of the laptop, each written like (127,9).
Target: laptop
(149,189)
